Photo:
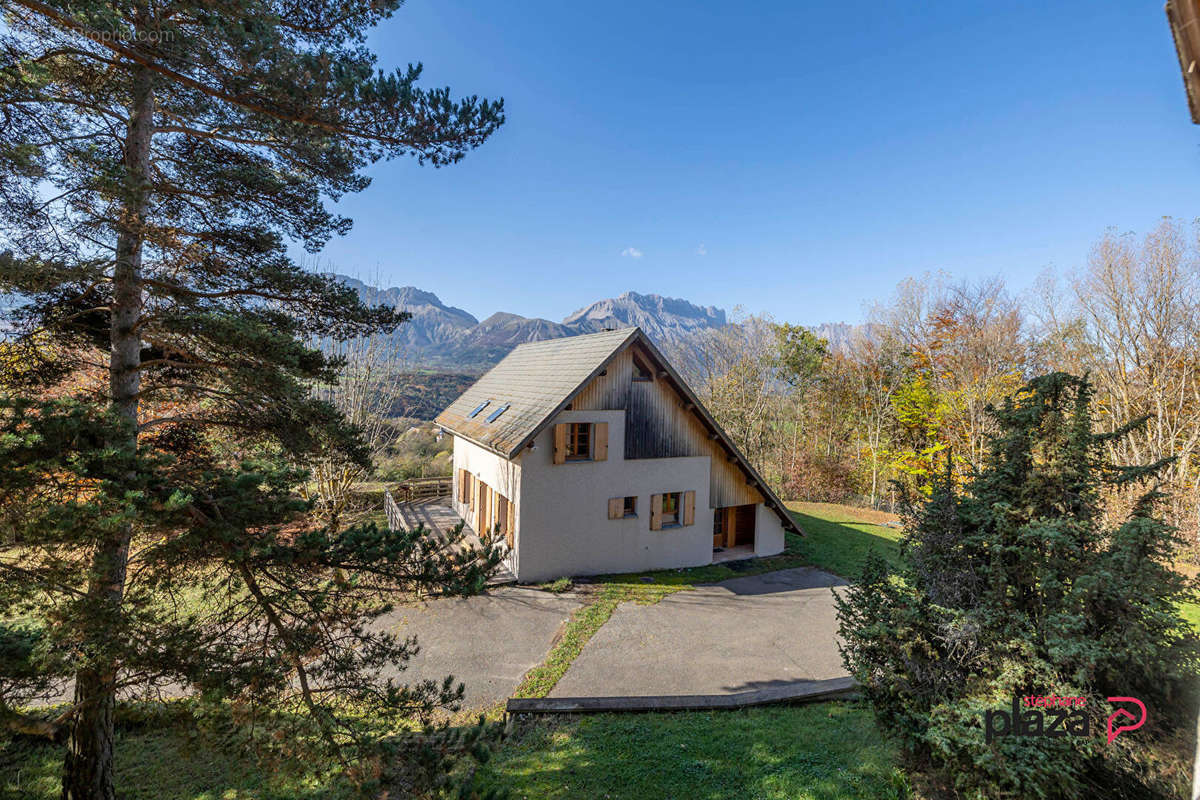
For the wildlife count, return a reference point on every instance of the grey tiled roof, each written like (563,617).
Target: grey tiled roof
(534,380)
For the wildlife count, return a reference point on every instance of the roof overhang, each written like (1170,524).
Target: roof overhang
(1184,19)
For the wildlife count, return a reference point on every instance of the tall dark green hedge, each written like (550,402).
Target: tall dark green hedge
(1024,583)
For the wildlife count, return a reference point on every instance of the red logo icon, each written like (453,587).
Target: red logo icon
(1121,713)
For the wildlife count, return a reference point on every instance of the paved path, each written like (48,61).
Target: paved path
(741,634)
(487,641)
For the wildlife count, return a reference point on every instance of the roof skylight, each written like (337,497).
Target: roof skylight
(496,414)
(479,408)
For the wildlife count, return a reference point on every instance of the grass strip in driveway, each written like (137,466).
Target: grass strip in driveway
(835,541)
(646,588)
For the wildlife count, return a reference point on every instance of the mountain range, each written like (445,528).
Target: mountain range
(443,336)
(447,337)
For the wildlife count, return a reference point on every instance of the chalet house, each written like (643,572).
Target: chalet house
(589,454)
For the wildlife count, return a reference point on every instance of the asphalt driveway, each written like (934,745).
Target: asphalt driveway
(741,634)
(488,641)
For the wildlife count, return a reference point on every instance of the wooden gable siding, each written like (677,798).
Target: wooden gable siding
(658,426)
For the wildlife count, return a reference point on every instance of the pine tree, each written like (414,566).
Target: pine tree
(1024,583)
(155,161)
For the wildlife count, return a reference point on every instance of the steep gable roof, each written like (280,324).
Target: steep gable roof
(535,380)
(539,379)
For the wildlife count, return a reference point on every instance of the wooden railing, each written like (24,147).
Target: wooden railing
(423,489)
(392,510)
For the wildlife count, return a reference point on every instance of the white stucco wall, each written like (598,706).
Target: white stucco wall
(768,531)
(500,474)
(565,529)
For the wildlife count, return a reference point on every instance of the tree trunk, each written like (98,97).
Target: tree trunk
(88,767)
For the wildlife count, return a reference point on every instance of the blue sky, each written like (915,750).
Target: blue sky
(792,158)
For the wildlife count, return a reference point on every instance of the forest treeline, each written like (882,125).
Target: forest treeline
(912,386)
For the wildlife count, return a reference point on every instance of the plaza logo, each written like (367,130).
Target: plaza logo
(1054,716)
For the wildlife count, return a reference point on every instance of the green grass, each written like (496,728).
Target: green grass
(1191,613)
(167,763)
(827,751)
(558,586)
(838,542)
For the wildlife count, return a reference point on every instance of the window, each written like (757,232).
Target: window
(719,522)
(478,408)
(579,441)
(630,507)
(670,509)
(496,414)
(640,371)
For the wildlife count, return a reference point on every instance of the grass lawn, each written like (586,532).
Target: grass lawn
(825,751)
(838,538)
(1191,613)
(166,763)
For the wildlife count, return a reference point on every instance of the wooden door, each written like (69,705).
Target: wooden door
(725,526)
(743,528)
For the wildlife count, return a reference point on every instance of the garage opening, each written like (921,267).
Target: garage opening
(733,532)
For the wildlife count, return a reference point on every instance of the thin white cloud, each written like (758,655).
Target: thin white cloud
(631,252)
(701,250)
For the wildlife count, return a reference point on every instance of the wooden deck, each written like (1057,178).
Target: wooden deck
(437,515)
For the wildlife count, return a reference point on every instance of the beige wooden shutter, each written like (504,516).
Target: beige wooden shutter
(656,512)
(560,443)
(689,508)
(512,524)
(600,448)
(616,507)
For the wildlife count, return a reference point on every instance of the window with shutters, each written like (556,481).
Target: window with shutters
(576,442)
(629,508)
(579,441)
(670,509)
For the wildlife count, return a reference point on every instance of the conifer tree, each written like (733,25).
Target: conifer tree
(1027,583)
(156,159)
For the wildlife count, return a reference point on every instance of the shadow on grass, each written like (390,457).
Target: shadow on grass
(825,751)
(840,546)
